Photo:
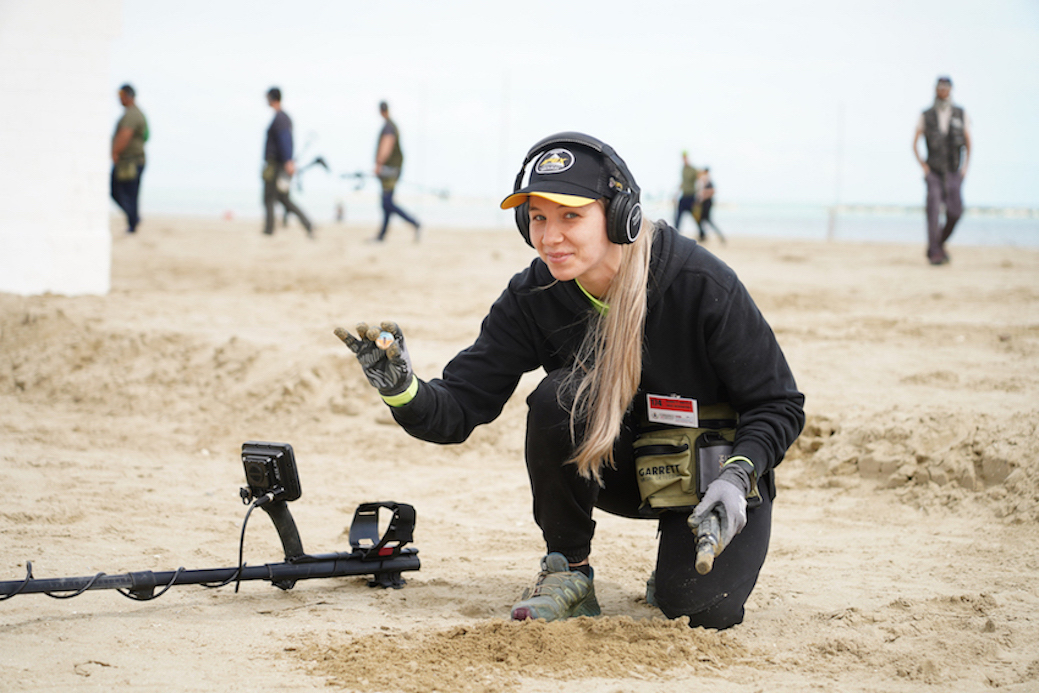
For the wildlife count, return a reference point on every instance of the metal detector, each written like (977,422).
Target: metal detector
(360,177)
(272,482)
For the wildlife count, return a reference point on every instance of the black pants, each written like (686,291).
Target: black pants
(125,194)
(272,194)
(685,205)
(705,219)
(563,503)
(389,208)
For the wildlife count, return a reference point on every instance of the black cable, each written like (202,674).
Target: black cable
(138,598)
(25,582)
(241,542)
(29,578)
(237,576)
(78,592)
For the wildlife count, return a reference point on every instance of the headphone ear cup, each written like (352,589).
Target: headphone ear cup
(623,219)
(523,222)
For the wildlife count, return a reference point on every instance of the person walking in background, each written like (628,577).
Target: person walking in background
(687,193)
(946,130)
(705,196)
(279,166)
(131,132)
(389,159)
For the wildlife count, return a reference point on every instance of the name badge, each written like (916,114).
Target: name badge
(673,411)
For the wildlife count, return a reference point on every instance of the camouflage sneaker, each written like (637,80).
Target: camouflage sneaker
(559,593)
(651,589)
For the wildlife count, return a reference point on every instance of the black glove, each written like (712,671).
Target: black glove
(382,355)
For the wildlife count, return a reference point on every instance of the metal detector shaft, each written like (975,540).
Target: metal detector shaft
(284,575)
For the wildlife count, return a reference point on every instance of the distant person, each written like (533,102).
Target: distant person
(687,193)
(131,132)
(705,196)
(279,166)
(389,159)
(946,129)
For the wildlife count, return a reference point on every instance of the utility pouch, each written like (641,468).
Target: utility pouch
(389,173)
(269,171)
(125,170)
(388,176)
(664,469)
(674,465)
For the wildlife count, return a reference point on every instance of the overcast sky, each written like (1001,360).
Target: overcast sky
(801,102)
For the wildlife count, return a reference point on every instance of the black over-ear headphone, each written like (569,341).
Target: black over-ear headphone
(623,208)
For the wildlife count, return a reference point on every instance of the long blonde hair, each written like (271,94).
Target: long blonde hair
(607,368)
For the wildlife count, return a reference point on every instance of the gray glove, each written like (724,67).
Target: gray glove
(727,497)
(383,356)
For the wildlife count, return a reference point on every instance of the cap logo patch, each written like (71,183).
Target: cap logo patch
(554,161)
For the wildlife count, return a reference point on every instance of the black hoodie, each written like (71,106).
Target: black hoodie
(705,340)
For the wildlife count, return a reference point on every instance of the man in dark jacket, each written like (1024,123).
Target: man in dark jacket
(946,129)
(279,166)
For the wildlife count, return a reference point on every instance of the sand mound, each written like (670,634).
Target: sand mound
(499,655)
(51,359)
(938,458)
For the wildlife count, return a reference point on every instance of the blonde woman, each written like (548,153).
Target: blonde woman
(647,340)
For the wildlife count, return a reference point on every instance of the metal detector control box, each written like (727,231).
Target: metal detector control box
(271,468)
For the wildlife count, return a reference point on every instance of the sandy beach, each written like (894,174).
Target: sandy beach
(904,548)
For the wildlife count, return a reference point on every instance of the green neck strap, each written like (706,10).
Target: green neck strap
(600,306)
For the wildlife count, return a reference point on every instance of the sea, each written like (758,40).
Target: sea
(1002,226)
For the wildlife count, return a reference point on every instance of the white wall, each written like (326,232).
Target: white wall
(55,106)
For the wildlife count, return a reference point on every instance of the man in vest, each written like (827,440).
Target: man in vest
(946,130)
(389,158)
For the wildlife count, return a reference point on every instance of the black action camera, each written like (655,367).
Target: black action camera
(270,468)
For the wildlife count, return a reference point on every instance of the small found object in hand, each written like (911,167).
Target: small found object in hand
(384,340)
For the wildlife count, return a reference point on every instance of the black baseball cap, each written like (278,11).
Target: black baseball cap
(945,80)
(568,174)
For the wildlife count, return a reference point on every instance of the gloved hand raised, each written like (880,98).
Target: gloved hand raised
(727,496)
(383,356)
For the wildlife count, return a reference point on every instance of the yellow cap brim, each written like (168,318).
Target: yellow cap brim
(559,198)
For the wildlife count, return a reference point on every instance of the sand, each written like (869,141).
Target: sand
(904,553)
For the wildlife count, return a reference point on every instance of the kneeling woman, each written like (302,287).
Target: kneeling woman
(666,395)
